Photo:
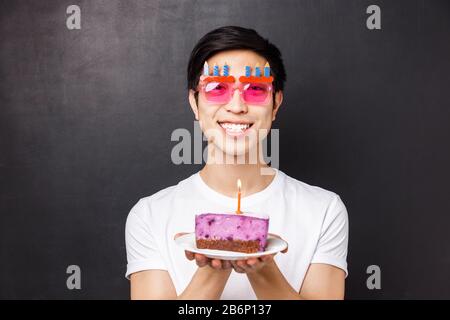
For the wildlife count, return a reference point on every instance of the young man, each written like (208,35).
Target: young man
(312,220)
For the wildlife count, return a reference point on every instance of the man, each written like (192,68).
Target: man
(312,220)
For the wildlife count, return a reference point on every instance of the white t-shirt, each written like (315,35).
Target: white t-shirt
(312,220)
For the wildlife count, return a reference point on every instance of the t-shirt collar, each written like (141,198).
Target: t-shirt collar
(254,198)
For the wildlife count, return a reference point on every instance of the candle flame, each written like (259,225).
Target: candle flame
(267,64)
(239,185)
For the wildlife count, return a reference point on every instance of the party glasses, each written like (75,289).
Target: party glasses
(221,92)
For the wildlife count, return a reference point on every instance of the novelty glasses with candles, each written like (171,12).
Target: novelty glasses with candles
(220,89)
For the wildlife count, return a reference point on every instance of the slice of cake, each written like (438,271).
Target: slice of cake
(232,232)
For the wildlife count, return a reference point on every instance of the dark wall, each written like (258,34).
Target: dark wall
(86,117)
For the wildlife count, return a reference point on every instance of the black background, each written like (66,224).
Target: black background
(86,117)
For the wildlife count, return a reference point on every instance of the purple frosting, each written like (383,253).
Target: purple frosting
(223,226)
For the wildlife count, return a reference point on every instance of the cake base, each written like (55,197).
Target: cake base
(251,246)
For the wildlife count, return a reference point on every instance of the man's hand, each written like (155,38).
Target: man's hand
(240,266)
(254,264)
(203,260)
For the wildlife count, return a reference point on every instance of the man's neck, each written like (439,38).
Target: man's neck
(223,178)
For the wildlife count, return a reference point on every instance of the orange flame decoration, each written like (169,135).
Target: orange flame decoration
(220,79)
(253,79)
(242,79)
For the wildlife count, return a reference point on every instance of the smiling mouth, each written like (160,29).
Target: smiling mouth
(235,128)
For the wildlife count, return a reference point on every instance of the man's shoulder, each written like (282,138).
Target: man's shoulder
(164,196)
(310,191)
(314,198)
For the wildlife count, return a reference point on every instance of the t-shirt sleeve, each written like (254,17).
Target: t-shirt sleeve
(333,242)
(140,240)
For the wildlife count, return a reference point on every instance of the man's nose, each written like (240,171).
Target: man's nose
(236,104)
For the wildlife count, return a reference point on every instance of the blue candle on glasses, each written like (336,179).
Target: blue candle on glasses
(257,71)
(226,70)
(216,70)
(267,70)
(248,71)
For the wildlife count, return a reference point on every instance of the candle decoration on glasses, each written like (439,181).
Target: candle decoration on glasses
(259,76)
(238,210)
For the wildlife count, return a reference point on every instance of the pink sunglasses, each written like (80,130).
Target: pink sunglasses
(220,90)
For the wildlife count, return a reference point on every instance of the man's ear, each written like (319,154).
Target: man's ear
(193,103)
(277,103)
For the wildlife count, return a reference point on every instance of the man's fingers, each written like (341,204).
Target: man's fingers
(267,257)
(236,267)
(201,260)
(253,262)
(216,264)
(189,255)
(243,265)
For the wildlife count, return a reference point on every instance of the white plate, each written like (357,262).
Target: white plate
(274,245)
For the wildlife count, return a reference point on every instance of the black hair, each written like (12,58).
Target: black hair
(232,38)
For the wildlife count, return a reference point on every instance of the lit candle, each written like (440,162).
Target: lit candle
(216,70)
(206,69)
(238,211)
(248,71)
(257,71)
(226,70)
(267,70)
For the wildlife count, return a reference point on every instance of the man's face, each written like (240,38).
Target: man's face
(235,127)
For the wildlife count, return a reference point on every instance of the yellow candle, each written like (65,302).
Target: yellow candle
(238,211)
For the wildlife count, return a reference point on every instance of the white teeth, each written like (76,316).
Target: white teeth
(234,127)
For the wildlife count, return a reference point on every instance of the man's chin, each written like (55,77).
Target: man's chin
(232,152)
